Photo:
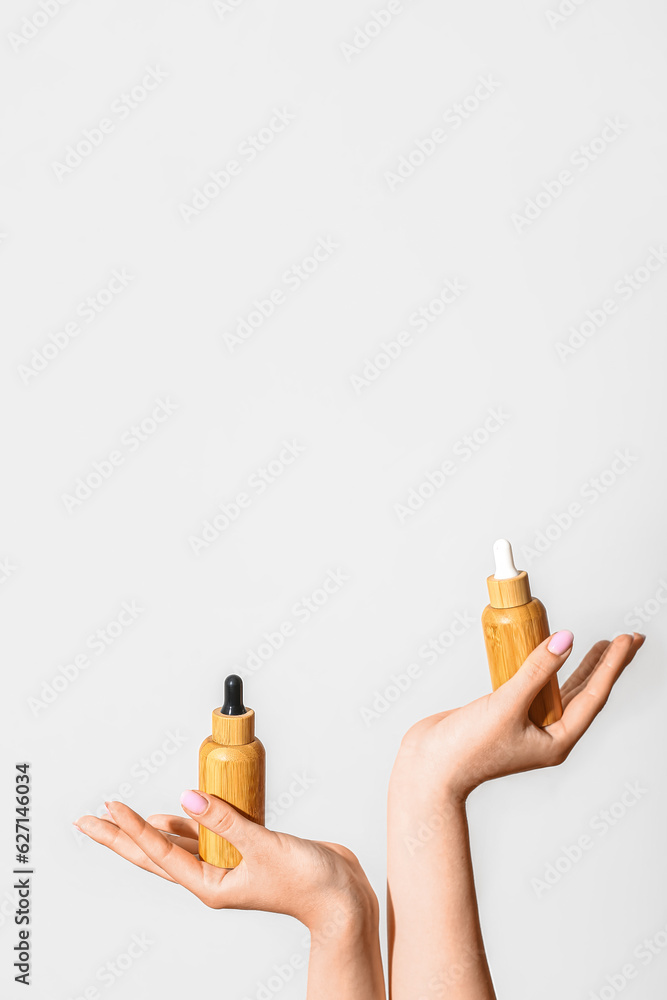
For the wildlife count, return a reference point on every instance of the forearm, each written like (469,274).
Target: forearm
(435,940)
(345,958)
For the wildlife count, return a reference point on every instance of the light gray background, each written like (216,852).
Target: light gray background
(333,509)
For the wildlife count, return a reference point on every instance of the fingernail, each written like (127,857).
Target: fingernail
(193,802)
(560,642)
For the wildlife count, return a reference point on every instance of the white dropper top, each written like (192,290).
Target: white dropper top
(505,568)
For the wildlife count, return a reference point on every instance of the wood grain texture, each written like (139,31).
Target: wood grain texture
(233,730)
(510,634)
(509,593)
(237,775)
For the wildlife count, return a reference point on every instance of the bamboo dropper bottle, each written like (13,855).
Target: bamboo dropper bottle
(231,766)
(514,624)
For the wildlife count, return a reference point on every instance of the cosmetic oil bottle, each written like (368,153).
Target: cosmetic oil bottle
(514,623)
(231,766)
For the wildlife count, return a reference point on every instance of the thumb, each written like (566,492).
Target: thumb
(538,668)
(220,817)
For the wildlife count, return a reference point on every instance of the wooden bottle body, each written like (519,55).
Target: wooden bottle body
(510,634)
(237,775)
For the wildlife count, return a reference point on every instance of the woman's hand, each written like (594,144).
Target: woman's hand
(310,880)
(435,939)
(322,885)
(458,750)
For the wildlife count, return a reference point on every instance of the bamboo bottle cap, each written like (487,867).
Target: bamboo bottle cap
(233,730)
(233,724)
(509,593)
(508,588)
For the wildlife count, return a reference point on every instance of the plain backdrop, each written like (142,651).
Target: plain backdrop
(342,100)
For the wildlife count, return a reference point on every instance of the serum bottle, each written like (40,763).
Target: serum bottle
(514,623)
(231,766)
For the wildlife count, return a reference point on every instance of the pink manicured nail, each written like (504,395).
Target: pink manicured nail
(560,642)
(193,802)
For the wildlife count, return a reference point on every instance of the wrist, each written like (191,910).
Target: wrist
(423,784)
(424,818)
(345,917)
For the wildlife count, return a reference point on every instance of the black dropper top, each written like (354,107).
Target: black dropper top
(233,703)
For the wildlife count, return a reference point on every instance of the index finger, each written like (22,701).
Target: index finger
(183,866)
(111,836)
